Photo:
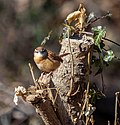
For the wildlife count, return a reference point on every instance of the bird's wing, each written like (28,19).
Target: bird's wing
(53,56)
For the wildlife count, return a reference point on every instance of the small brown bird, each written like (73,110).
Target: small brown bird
(47,60)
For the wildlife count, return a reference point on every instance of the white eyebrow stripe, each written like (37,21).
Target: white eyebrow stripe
(36,50)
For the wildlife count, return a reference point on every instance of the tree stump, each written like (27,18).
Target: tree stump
(72,95)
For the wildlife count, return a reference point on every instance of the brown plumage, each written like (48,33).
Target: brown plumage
(46,60)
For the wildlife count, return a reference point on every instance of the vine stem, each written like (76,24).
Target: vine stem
(116,101)
(102,78)
(97,19)
(86,101)
(88,72)
(111,41)
(72,66)
(88,86)
(104,38)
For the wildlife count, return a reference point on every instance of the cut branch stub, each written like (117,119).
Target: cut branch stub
(40,97)
(62,76)
(45,109)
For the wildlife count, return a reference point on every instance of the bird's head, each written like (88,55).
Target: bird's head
(40,52)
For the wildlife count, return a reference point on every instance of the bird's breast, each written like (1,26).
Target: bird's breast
(47,65)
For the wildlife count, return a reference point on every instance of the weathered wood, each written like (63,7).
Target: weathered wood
(45,109)
(38,96)
(62,77)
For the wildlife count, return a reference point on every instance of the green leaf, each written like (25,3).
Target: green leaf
(95,95)
(109,56)
(99,33)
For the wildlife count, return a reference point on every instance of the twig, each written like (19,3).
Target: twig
(33,77)
(56,96)
(108,122)
(83,107)
(104,38)
(46,38)
(103,85)
(117,58)
(88,72)
(111,41)
(78,88)
(116,101)
(88,86)
(92,120)
(72,67)
(98,18)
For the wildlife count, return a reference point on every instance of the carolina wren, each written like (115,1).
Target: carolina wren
(46,60)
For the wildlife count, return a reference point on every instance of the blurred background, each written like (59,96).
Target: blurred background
(23,25)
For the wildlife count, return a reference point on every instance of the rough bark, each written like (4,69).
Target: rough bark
(45,109)
(41,98)
(72,98)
